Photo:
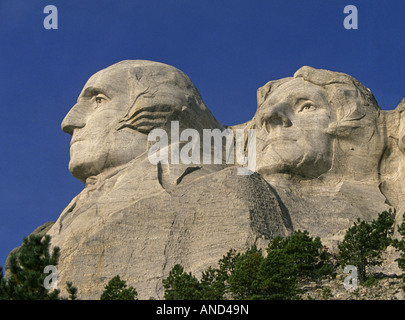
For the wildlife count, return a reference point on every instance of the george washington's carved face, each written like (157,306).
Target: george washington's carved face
(93,122)
(294,120)
(120,105)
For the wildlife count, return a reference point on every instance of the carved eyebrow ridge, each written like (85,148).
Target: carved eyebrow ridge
(91,91)
(301,100)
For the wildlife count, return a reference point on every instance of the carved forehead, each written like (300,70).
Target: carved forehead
(337,81)
(129,75)
(110,80)
(347,97)
(155,72)
(297,89)
(153,87)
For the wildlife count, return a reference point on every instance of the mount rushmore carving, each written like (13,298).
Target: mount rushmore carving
(325,154)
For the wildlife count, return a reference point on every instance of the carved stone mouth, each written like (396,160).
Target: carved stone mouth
(277,140)
(74,141)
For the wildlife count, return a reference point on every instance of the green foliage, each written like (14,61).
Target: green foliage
(251,275)
(383,229)
(3,286)
(308,255)
(364,243)
(26,281)
(243,280)
(400,244)
(213,284)
(72,291)
(27,277)
(116,289)
(180,285)
(371,281)
(243,276)
(326,293)
(218,286)
(276,278)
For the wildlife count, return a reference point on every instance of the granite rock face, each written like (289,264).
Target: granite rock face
(138,218)
(322,143)
(194,225)
(325,154)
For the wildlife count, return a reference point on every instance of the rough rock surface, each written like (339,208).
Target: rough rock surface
(194,225)
(384,283)
(329,151)
(385,287)
(326,154)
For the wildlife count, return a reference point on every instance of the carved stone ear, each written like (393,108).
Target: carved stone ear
(342,129)
(339,130)
(349,114)
(136,89)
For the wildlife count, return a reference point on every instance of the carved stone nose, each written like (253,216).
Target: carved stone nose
(274,116)
(73,120)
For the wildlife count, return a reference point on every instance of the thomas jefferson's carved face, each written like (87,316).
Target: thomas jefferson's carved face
(292,137)
(93,122)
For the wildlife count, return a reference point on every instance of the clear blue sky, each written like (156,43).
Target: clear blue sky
(228,49)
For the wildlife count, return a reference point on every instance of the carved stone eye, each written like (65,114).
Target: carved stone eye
(307,107)
(99,99)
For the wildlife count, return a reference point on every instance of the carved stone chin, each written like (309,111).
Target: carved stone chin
(326,154)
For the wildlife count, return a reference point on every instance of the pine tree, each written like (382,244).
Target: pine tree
(26,281)
(213,284)
(180,285)
(116,289)
(72,291)
(27,270)
(242,280)
(364,243)
(273,277)
(305,252)
(250,275)
(277,277)
(400,246)
(3,286)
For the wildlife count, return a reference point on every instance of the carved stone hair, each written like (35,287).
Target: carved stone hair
(159,94)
